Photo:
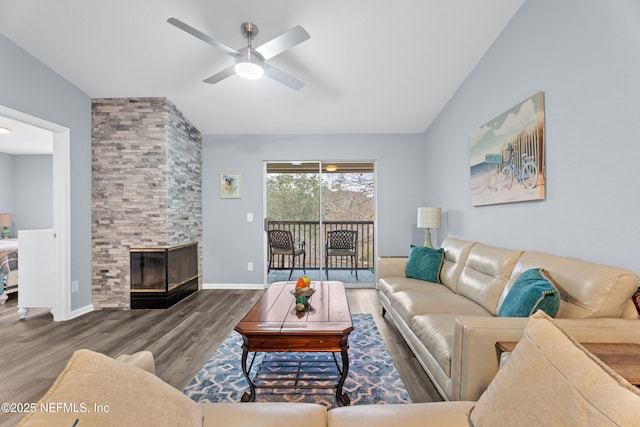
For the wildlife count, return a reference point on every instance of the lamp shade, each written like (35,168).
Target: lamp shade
(6,220)
(428,217)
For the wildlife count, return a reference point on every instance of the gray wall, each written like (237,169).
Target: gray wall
(27,190)
(229,241)
(6,178)
(585,56)
(29,86)
(33,192)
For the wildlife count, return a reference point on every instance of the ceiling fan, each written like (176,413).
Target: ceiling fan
(251,62)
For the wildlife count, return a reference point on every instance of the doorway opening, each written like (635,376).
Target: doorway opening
(328,210)
(60,303)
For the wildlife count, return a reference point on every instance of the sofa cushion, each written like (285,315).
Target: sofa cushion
(424,263)
(550,379)
(127,395)
(486,273)
(437,414)
(455,255)
(414,303)
(391,285)
(435,332)
(264,414)
(586,289)
(532,291)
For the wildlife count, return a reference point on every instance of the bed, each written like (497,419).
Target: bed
(8,267)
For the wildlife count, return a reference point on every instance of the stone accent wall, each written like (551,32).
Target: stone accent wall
(185,180)
(146,188)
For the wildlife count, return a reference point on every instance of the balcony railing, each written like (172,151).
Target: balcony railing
(314,236)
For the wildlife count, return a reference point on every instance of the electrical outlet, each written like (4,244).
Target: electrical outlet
(250,266)
(74,286)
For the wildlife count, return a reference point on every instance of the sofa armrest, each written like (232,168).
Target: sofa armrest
(474,358)
(392,266)
(604,330)
(142,359)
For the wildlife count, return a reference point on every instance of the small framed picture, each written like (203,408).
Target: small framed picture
(229,185)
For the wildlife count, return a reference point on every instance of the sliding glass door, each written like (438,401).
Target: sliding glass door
(319,221)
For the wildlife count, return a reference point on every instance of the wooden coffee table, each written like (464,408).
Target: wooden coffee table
(273,325)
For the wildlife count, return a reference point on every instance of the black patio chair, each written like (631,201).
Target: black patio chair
(281,243)
(342,243)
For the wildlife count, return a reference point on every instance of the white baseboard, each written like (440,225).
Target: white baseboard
(80,311)
(245,286)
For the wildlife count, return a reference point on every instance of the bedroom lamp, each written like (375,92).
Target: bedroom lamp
(428,218)
(6,220)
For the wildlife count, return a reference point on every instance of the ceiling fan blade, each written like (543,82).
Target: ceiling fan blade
(283,42)
(282,77)
(205,38)
(227,72)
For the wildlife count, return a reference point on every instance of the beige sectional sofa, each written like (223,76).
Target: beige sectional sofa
(452,326)
(549,379)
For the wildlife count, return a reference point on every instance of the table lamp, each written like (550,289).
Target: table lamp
(6,220)
(428,218)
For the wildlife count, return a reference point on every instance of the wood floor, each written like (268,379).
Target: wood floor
(34,351)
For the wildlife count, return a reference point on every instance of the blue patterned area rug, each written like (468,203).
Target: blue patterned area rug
(372,378)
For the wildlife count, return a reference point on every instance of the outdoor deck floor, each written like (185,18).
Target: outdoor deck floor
(365,276)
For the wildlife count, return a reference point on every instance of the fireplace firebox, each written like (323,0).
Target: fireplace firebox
(161,277)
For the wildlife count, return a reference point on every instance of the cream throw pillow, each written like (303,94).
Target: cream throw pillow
(125,395)
(551,380)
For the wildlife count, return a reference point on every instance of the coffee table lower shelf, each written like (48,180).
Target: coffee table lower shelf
(285,372)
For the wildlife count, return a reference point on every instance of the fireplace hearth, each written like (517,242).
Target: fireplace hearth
(161,277)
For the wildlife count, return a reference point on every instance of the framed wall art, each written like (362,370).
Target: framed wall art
(507,156)
(229,185)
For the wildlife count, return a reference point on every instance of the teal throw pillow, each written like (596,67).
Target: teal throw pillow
(532,291)
(424,263)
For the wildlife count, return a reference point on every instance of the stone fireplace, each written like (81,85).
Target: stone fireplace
(146,190)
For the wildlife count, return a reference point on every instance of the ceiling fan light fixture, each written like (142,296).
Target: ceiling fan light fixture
(249,70)
(4,129)
(249,63)
(252,63)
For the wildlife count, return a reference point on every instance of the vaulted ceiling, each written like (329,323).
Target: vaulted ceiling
(370,66)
